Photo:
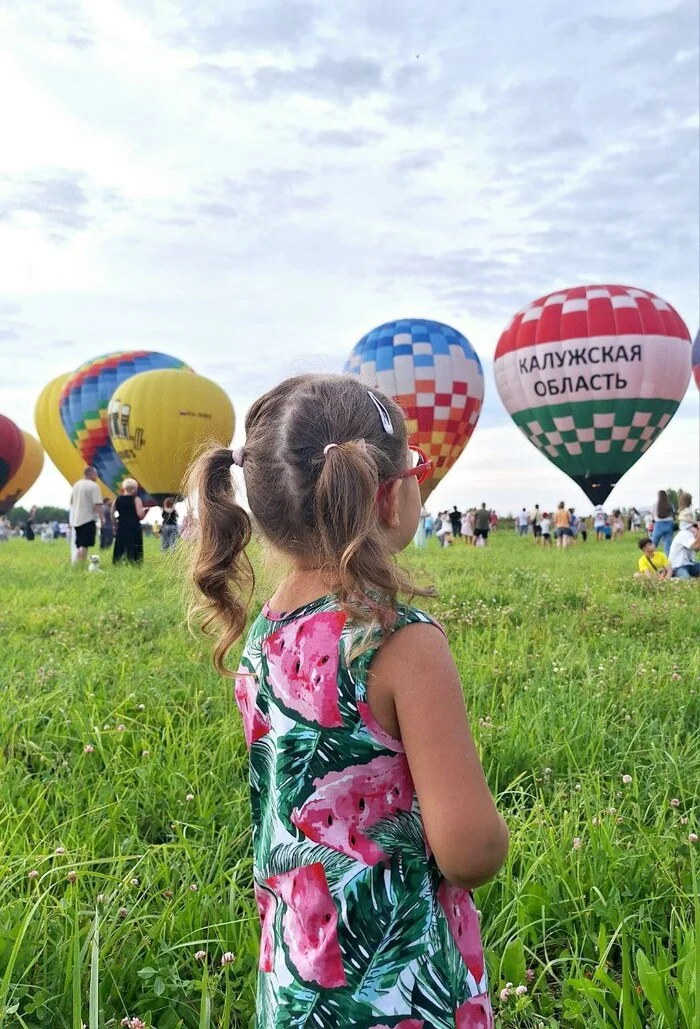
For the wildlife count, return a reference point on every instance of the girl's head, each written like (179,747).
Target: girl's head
(560,505)
(168,504)
(684,499)
(328,477)
(130,487)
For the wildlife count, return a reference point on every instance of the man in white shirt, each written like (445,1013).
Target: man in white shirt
(85,510)
(682,553)
(522,520)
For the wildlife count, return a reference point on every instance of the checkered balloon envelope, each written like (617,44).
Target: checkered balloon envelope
(592,375)
(433,372)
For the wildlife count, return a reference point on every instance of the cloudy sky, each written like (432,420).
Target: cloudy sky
(253,186)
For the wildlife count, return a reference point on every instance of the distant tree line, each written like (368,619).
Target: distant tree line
(18,515)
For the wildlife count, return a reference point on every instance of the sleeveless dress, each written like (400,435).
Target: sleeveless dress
(129,538)
(358,927)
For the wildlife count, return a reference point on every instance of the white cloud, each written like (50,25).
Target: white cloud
(253,187)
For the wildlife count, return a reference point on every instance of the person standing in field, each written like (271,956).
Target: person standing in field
(468,527)
(456,522)
(618,525)
(107,527)
(371,815)
(493,521)
(169,531)
(522,522)
(662,514)
(482,524)
(600,520)
(85,512)
(648,523)
(536,519)
(129,511)
(429,523)
(546,530)
(562,526)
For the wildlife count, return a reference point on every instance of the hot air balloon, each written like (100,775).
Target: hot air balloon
(592,375)
(435,375)
(696,359)
(11,449)
(25,476)
(53,436)
(84,401)
(158,420)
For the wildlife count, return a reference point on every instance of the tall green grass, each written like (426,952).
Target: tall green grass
(121,862)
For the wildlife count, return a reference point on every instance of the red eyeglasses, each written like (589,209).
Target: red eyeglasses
(421,468)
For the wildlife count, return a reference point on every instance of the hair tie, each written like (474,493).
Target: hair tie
(237,457)
(329,447)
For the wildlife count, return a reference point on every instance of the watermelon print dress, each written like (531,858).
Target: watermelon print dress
(358,927)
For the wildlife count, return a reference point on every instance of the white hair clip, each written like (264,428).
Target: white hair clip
(383,413)
(329,447)
(237,457)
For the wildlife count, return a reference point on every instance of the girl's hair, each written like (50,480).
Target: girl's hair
(130,486)
(168,503)
(309,500)
(663,505)
(684,499)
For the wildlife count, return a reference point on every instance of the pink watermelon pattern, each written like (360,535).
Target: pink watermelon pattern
(475,1013)
(346,803)
(406,1023)
(302,660)
(266,910)
(255,723)
(310,925)
(463,922)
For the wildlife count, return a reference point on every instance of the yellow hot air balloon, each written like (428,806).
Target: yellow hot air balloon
(25,476)
(54,438)
(158,420)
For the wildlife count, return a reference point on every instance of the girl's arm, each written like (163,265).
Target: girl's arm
(467,836)
(140,509)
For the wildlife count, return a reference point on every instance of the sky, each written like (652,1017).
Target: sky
(251,187)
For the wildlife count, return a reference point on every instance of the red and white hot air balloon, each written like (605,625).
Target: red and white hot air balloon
(592,375)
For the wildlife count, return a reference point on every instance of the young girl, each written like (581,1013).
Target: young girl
(372,819)
(546,524)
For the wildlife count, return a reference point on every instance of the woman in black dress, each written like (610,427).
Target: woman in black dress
(129,511)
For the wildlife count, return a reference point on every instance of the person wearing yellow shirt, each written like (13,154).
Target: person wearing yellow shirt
(653,563)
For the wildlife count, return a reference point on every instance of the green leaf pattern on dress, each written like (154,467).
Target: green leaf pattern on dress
(356,904)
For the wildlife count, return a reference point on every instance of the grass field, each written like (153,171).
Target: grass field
(123,799)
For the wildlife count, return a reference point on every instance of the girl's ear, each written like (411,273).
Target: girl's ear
(388,506)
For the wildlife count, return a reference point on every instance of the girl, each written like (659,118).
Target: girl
(129,511)
(662,514)
(468,528)
(371,816)
(618,525)
(546,530)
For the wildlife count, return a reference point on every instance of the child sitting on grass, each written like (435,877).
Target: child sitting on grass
(372,819)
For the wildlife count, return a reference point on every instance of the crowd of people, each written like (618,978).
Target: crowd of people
(120,521)
(671,537)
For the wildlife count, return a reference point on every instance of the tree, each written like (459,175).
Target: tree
(18,515)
